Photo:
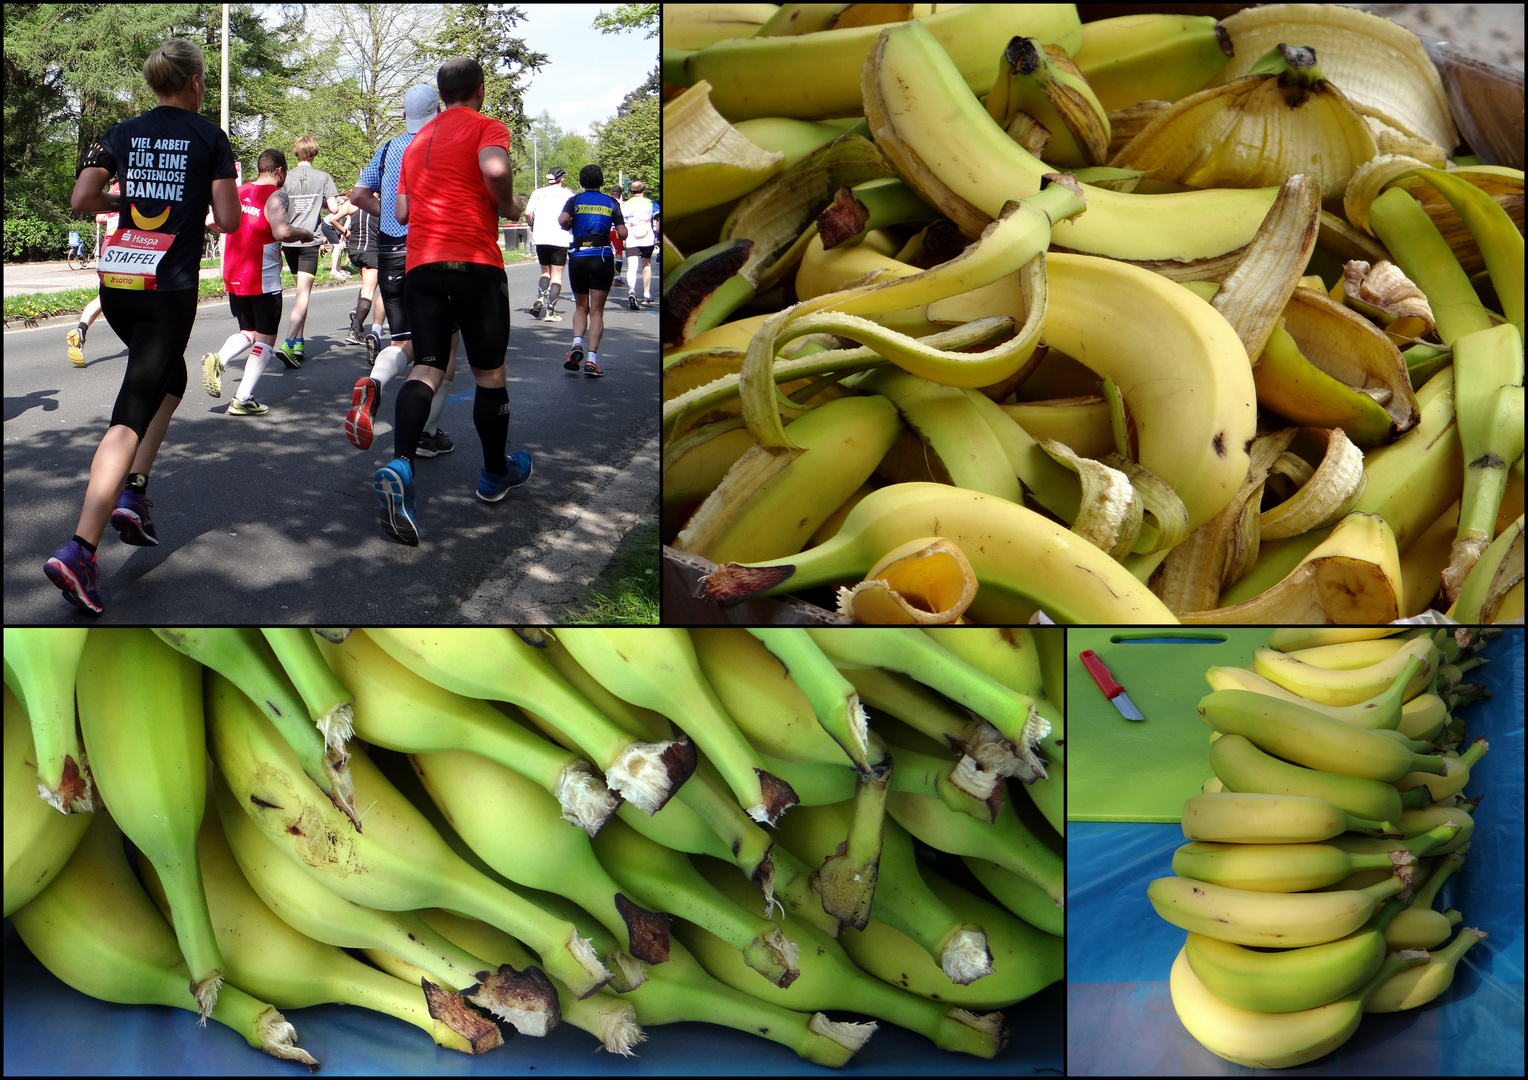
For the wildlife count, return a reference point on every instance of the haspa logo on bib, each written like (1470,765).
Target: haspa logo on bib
(130,259)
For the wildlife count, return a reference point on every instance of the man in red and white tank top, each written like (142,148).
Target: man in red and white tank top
(252,276)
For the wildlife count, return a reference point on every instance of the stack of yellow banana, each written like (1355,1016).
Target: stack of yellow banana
(1314,856)
(612,828)
(978,311)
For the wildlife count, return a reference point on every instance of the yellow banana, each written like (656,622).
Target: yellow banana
(1278,867)
(1419,985)
(763,76)
(1346,687)
(1276,920)
(40,666)
(1273,1040)
(1243,768)
(946,147)
(1134,58)
(97,930)
(694,26)
(1459,765)
(140,705)
(1299,638)
(38,839)
(1419,926)
(1381,712)
(1262,818)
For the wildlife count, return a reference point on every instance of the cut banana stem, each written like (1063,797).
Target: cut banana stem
(40,666)
(833,699)
(38,839)
(327,699)
(396,709)
(933,715)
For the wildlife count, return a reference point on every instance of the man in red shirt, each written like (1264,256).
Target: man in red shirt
(455,183)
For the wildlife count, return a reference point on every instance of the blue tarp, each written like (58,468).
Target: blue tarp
(1120,1016)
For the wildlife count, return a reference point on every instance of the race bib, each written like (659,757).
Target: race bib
(131,258)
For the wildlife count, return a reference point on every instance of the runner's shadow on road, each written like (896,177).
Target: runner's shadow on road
(37,399)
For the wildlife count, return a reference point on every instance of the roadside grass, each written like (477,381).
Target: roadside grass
(627,592)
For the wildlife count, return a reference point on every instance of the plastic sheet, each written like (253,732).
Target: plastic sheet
(1120,1016)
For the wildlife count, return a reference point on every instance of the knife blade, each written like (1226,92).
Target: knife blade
(1112,690)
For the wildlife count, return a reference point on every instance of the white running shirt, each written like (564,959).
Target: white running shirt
(546,204)
(638,212)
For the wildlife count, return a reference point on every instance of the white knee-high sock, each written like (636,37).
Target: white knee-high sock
(632,262)
(390,362)
(236,346)
(254,367)
(438,406)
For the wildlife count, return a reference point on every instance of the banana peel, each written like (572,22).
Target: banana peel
(924,582)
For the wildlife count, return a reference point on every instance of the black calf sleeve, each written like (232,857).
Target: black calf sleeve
(490,415)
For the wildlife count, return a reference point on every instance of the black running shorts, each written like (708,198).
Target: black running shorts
(259,314)
(551,255)
(591,273)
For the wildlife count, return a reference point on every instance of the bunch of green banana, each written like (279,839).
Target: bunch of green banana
(472,767)
(40,665)
(1291,912)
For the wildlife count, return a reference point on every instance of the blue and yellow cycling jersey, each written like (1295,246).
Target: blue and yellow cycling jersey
(593,214)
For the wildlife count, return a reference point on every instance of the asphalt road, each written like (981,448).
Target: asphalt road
(273,518)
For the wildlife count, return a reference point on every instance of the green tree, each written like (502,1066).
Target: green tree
(483,32)
(629,17)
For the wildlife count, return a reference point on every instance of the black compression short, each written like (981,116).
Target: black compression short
(156,326)
(259,314)
(304,259)
(588,273)
(551,255)
(441,297)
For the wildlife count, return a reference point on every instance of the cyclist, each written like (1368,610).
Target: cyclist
(641,216)
(551,241)
(252,278)
(309,190)
(74,340)
(593,218)
(456,181)
(376,193)
(148,291)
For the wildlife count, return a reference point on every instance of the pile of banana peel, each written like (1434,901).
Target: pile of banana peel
(981,313)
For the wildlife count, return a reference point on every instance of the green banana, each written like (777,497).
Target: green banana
(1382,711)
(304,903)
(658,669)
(494,663)
(1418,248)
(1023,898)
(1459,765)
(40,666)
(1430,842)
(1024,960)
(1278,920)
(830,980)
(1419,926)
(955,781)
(643,723)
(242,656)
(1290,980)
(609,1018)
(1134,58)
(1242,767)
(901,900)
(396,709)
(517,828)
(328,702)
(1423,717)
(97,930)
(1310,738)
(400,864)
(789,700)
(1346,687)
(1419,985)
(681,990)
(140,705)
(38,840)
(293,971)
(948,726)
(1258,818)
(664,877)
(1277,867)
(1420,821)
(1495,573)
(1007,841)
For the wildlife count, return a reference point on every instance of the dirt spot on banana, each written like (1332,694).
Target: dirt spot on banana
(1219,443)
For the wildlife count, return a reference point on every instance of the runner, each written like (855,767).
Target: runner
(172,163)
(551,241)
(361,249)
(420,105)
(74,340)
(593,218)
(252,278)
(335,234)
(309,190)
(641,215)
(456,181)
(617,193)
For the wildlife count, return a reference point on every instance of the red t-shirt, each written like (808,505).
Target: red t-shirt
(453,217)
(251,256)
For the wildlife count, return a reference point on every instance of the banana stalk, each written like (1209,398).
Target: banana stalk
(1420,251)
(1042,82)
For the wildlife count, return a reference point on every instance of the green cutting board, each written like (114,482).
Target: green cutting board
(1121,770)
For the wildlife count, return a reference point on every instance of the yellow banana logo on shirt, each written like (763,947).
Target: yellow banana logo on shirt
(149,224)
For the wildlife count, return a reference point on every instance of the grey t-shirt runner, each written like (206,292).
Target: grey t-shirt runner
(306,189)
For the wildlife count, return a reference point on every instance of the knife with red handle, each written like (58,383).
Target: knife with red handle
(1112,690)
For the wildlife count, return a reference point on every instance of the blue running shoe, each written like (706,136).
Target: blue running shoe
(73,569)
(131,520)
(394,485)
(491,488)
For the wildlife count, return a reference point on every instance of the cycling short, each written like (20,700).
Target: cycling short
(551,255)
(260,314)
(331,234)
(442,297)
(156,326)
(644,252)
(588,273)
(391,267)
(302,259)
(362,258)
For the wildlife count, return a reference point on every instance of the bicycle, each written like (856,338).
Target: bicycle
(79,257)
